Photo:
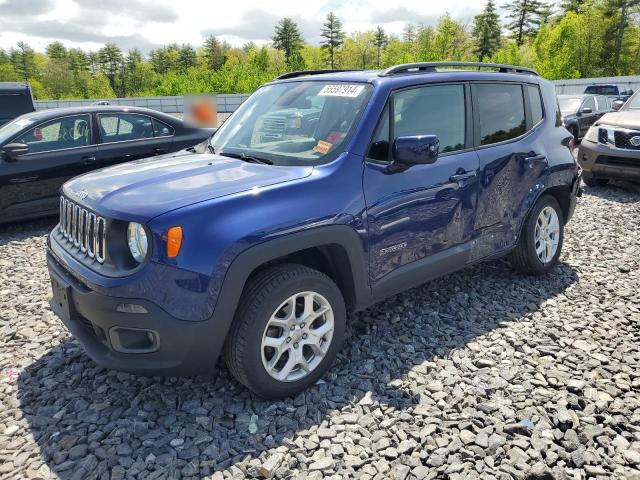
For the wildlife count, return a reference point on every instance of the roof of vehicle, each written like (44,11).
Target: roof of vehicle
(59,112)
(13,87)
(425,72)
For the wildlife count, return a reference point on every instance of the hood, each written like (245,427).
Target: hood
(624,119)
(143,189)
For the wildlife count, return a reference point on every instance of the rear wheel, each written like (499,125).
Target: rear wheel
(541,239)
(287,331)
(594,182)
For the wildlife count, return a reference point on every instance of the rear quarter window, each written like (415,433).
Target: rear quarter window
(535,104)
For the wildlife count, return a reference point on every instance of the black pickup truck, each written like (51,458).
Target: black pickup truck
(15,100)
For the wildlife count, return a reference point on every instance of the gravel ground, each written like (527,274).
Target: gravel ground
(482,374)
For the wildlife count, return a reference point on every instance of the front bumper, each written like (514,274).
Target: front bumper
(151,343)
(602,161)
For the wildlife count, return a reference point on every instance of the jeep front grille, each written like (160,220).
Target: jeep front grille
(83,230)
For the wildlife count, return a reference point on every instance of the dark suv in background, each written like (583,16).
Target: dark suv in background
(615,92)
(258,249)
(15,100)
(579,112)
(611,147)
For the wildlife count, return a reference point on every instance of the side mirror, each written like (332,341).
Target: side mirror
(416,149)
(616,105)
(12,151)
(586,110)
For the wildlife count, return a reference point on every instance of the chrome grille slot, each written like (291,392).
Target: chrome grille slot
(83,230)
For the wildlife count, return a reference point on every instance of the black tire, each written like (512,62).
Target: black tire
(262,295)
(594,182)
(524,257)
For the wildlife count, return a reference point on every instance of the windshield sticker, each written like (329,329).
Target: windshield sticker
(334,137)
(322,147)
(341,91)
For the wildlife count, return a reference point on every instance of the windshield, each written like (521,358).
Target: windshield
(569,105)
(602,89)
(9,130)
(295,123)
(633,103)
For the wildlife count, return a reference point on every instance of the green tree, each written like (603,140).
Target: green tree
(487,31)
(23,60)
(214,52)
(56,50)
(110,58)
(333,37)
(525,17)
(287,38)
(409,33)
(186,57)
(380,41)
(575,6)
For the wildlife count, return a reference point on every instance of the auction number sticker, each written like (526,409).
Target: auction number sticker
(341,90)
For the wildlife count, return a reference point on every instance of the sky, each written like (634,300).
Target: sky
(147,24)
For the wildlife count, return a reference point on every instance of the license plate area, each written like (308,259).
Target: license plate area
(61,299)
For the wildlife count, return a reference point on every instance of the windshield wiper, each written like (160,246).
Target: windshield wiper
(247,158)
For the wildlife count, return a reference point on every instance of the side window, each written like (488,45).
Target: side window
(161,129)
(535,103)
(121,127)
(434,110)
(379,148)
(67,132)
(589,102)
(603,103)
(501,111)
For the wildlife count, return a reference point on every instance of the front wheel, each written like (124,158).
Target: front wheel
(541,239)
(287,331)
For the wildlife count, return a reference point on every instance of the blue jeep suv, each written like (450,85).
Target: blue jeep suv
(322,194)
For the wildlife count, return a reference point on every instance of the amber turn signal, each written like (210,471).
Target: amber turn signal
(174,241)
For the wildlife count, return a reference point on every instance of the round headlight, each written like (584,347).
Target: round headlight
(137,240)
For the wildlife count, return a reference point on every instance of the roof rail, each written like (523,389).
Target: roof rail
(432,66)
(302,73)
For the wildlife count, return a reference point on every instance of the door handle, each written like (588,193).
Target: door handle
(88,160)
(23,179)
(159,151)
(534,159)
(461,177)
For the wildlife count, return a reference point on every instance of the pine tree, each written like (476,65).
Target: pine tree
(333,36)
(287,38)
(23,60)
(486,31)
(575,6)
(110,58)
(215,52)
(56,50)
(380,40)
(187,57)
(525,18)
(409,33)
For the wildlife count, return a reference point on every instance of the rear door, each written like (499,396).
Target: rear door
(513,160)
(130,136)
(58,150)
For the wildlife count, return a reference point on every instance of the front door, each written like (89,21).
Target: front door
(420,218)
(58,150)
